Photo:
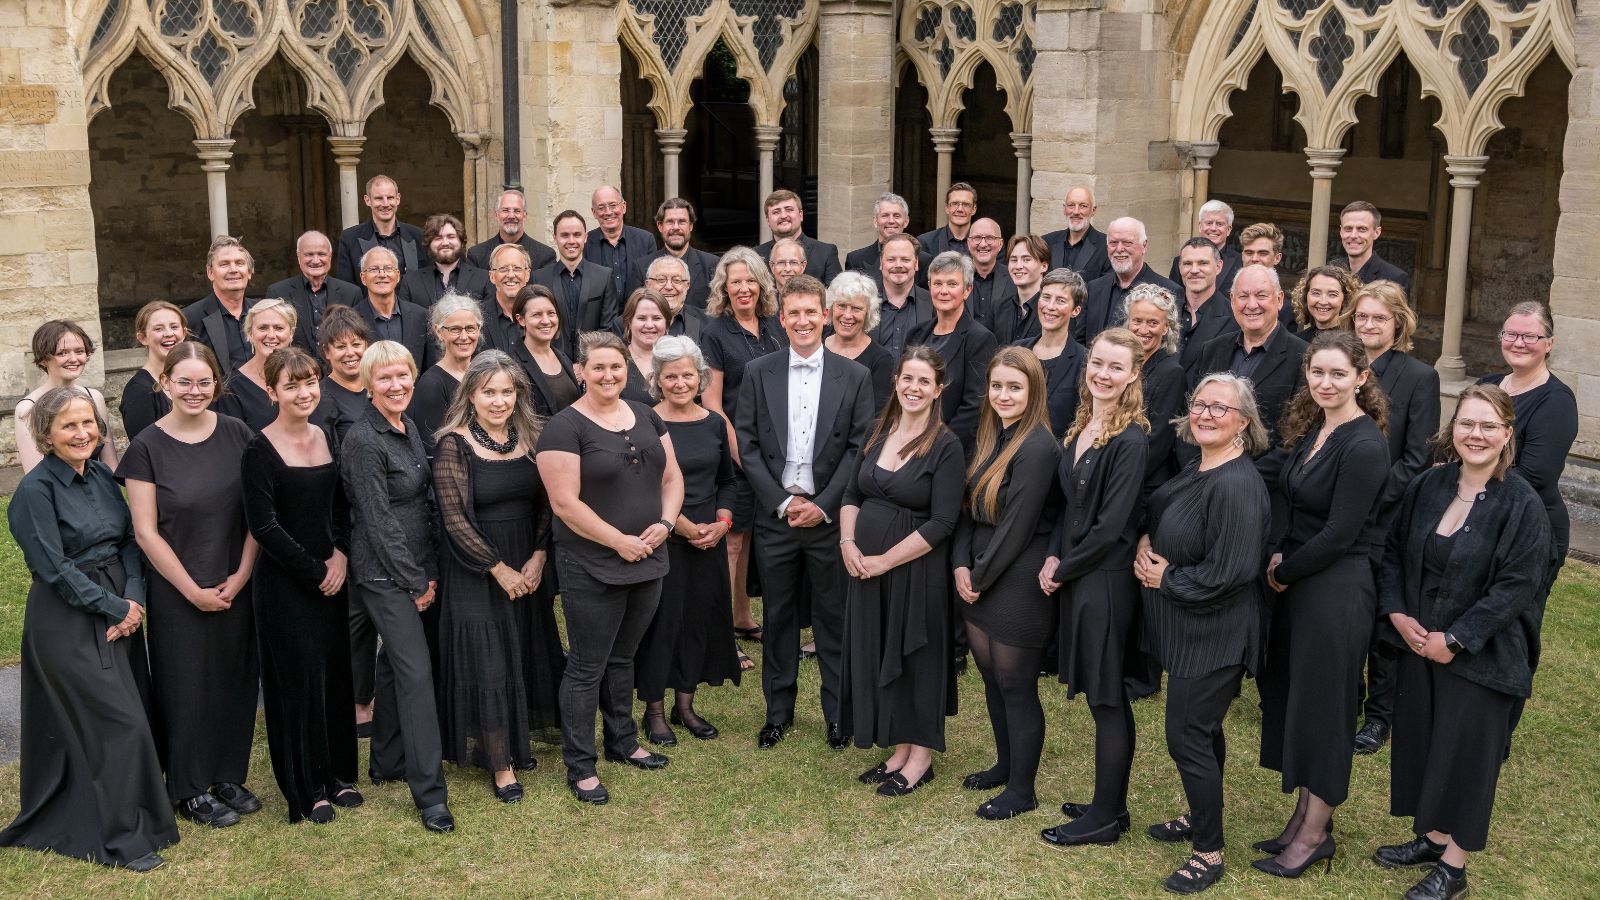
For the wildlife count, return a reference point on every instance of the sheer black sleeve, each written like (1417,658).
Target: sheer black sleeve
(452,485)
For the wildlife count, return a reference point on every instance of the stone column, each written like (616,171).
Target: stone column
(1576,264)
(766,145)
(944,143)
(475,182)
(347,155)
(855,138)
(1464,172)
(671,141)
(214,155)
(1022,141)
(1200,155)
(1324,163)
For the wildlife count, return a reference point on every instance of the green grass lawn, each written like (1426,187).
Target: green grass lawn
(727,820)
(14,582)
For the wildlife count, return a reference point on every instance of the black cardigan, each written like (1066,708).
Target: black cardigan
(1491,597)
(1099,527)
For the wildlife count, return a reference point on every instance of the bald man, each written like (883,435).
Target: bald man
(1080,246)
(313,290)
(384,229)
(612,243)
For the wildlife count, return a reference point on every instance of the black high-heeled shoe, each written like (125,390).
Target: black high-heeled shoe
(1273,846)
(704,731)
(1324,851)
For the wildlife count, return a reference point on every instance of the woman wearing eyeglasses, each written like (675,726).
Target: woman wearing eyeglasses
(457,324)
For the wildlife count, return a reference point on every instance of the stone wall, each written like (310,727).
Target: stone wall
(1576,263)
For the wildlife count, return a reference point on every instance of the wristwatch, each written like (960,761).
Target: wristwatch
(666,524)
(1453,645)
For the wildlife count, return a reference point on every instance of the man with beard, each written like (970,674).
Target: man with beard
(890,215)
(1216,224)
(991,283)
(675,220)
(1360,226)
(1126,244)
(960,205)
(384,229)
(1204,312)
(613,244)
(313,291)
(905,305)
(586,291)
(445,271)
(511,211)
(785,216)
(1080,246)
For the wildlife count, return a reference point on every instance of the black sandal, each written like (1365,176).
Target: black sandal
(753,633)
(1171,831)
(1194,876)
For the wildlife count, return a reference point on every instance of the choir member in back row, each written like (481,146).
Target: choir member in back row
(158,327)
(61,349)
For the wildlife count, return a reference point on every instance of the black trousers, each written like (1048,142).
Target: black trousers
(1382,669)
(605,623)
(405,718)
(786,558)
(363,653)
(1196,707)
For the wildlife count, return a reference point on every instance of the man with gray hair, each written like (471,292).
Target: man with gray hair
(669,276)
(1126,244)
(1216,224)
(388,317)
(965,345)
(511,211)
(313,290)
(890,216)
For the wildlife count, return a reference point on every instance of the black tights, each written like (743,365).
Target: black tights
(1011,688)
(1113,760)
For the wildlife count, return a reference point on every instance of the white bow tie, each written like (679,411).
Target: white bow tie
(814,363)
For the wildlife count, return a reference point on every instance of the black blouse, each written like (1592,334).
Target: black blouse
(141,404)
(1104,491)
(248,402)
(929,486)
(434,392)
(1546,426)
(199,495)
(62,520)
(387,479)
(1029,505)
(728,348)
(274,493)
(339,409)
(1163,401)
(1332,498)
(709,476)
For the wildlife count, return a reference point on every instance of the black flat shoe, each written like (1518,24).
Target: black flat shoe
(598,795)
(662,738)
(1273,846)
(511,793)
(1412,854)
(1371,737)
(437,818)
(238,797)
(876,775)
(770,735)
(347,797)
(1171,831)
(146,863)
(1324,851)
(208,810)
(838,739)
(1077,811)
(897,786)
(1438,885)
(322,814)
(648,762)
(1004,806)
(1067,836)
(987,780)
(378,779)
(1193,876)
(702,730)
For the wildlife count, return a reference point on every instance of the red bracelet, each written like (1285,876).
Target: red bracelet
(725,520)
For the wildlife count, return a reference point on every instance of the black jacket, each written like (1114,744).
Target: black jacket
(1232,262)
(1061,377)
(1092,261)
(1164,400)
(540,254)
(297,290)
(822,260)
(966,351)
(990,293)
(1412,387)
(1376,269)
(597,304)
(1546,426)
(867,260)
(1276,379)
(414,331)
(1492,595)
(636,244)
(702,266)
(1214,319)
(422,287)
(1099,528)
(358,239)
(204,318)
(938,241)
(1103,306)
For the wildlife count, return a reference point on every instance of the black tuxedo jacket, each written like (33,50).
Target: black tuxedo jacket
(204,319)
(422,287)
(414,332)
(702,266)
(1232,262)
(1103,306)
(1092,260)
(844,416)
(1376,268)
(822,260)
(597,307)
(966,351)
(297,290)
(1214,319)
(540,254)
(1412,387)
(358,239)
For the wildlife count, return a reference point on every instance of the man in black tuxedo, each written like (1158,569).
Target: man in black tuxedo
(217,319)
(613,244)
(960,205)
(675,221)
(965,345)
(1203,311)
(1079,246)
(803,416)
(511,211)
(1360,226)
(1126,244)
(991,282)
(586,291)
(384,229)
(312,291)
(890,215)
(388,317)
(1216,224)
(445,271)
(785,216)
(905,305)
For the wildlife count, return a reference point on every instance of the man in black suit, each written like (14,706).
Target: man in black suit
(1203,311)
(803,416)
(890,215)
(388,317)
(675,221)
(1360,226)
(217,319)
(960,205)
(1216,224)
(613,244)
(669,276)
(445,271)
(586,291)
(1079,246)
(785,216)
(312,291)
(991,282)
(508,273)
(511,211)
(1126,244)
(965,345)
(905,305)
(384,229)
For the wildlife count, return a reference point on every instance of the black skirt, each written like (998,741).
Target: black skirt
(1014,610)
(697,587)
(1098,612)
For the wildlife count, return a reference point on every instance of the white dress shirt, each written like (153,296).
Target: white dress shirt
(805,391)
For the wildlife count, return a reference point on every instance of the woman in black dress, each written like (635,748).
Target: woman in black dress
(1061,295)
(296,510)
(1152,315)
(549,370)
(457,324)
(1462,585)
(1091,563)
(616,492)
(497,523)
(1322,301)
(1332,482)
(91,778)
(185,489)
(853,308)
(1204,610)
(741,325)
(343,337)
(268,326)
(690,641)
(899,514)
(158,327)
(1000,545)
(645,320)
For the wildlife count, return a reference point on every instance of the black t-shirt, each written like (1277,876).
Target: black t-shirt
(199,495)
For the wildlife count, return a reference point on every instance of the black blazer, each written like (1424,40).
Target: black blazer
(597,307)
(540,254)
(1092,259)
(844,416)
(1232,262)
(1492,595)
(1412,387)
(1164,400)
(1061,377)
(1214,319)
(414,331)
(866,259)
(204,320)
(422,287)
(1546,426)
(702,266)
(358,239)
(1099,528)
(990,293)
(1377,268)
(938,241)
(297,291)
(1103,306)
(1276,379)
(538,381)
(822,260)
(966,351)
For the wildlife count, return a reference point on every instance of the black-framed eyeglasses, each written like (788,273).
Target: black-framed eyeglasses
(1215,410)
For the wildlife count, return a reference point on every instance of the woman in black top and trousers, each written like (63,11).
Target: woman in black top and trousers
(1462,587)
(1333,479)
(1001,542)
(1102,477)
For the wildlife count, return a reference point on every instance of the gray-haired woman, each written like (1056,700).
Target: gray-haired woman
(853,305)
(457,325)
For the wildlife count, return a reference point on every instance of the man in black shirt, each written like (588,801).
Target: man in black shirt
(1079,246)
(785,216)
(217,319)
(1360,226)
(1126,244)
(587,291)
(960,205)
(890,215)
(511,212)
(312,291)
(675,221)
(1216,224)
(388,317)
(1203,311)
(508,272)
(445,271)
(384,229)
(905,305)
(612,244)
(991,283)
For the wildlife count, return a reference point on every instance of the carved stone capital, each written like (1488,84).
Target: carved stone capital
(1464,170)
(1324,163)
(214,153)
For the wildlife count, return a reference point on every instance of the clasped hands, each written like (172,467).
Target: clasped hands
(634,547)
(520,582)
(1424,643)
(702,537)
(858,564)
(129,624)
(1148,565)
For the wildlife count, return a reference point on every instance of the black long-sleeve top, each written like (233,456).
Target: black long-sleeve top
(62,520)
(704,458)
(1546,426)
(339,409)
(1104,491)
(1491,597)
(1163,401)
(452,485)
(1029,505)
(1061,376)
(318,524)
(1332,498)
(1412,387)
(141,404)
(434,392)
(1211,528)
(387,479)
(933,492)
(966,350)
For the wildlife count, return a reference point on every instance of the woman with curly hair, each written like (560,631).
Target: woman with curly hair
(1322,301)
